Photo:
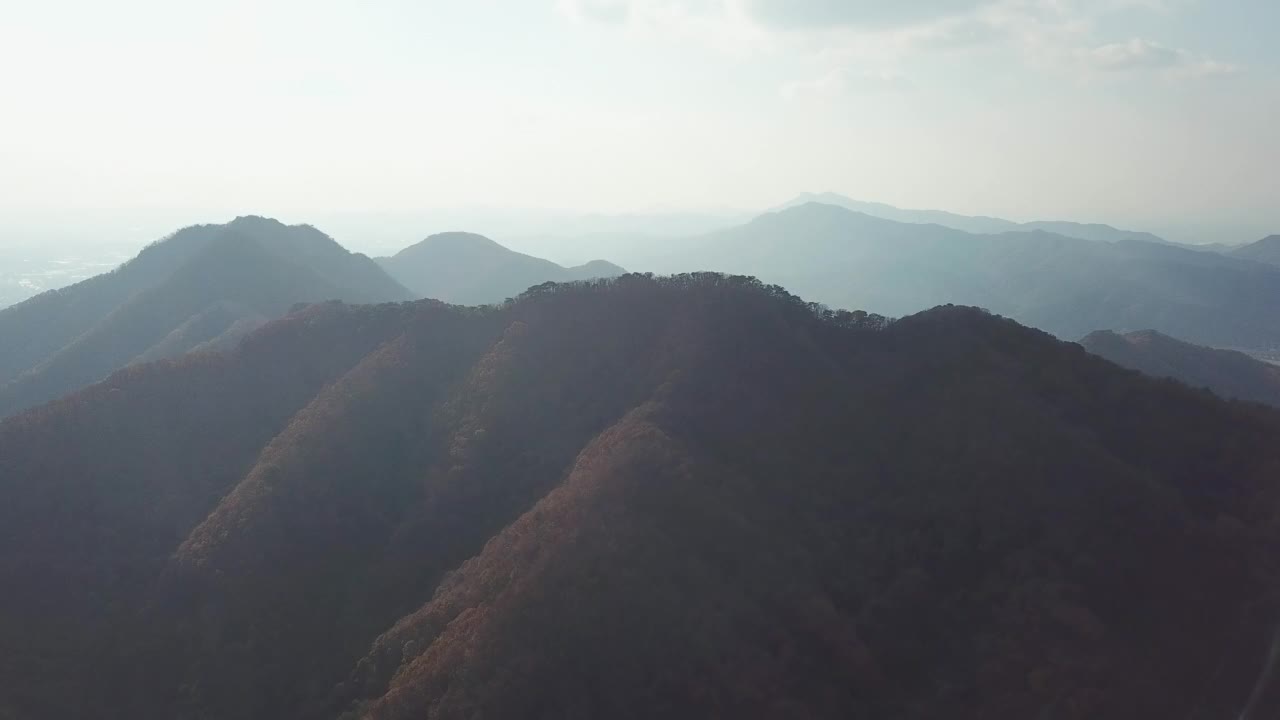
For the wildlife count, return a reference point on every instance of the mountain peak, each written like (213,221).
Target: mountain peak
(471,269)
(814,209)
(255,221)
(1266,250)
(84,332)
(459,238)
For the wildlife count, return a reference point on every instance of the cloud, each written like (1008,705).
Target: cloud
(859,43)
(808,14)
(777,14)
(601,11)
(1137,54)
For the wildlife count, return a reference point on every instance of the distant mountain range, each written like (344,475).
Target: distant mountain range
(469,269)
(1266,250)
(1065,285)
(206,285)
(981,225)
(685,497)
(1228,373)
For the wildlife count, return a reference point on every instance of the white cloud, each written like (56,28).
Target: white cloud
(1137,54)
(855,13)
(604,11)
(859,43)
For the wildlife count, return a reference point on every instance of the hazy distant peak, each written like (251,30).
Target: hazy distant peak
(461,239)
(1266,250)
(1112,338)
(255,222)
(978,224)
(599,266)
(1228,373)
(821,213)
(813,208)
(593,270)
(1270,242)
(471,269)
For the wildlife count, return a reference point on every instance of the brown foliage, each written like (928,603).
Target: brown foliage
(694,496)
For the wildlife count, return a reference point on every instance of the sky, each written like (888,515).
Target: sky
(1153,114)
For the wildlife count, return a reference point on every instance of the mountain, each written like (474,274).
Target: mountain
(1063,285)
(973,224)
(695,496)
(1266,250)
(470,269)
(979,225)
(1228,373)
(190,288)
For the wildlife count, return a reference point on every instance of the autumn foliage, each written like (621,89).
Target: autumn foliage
(694,496)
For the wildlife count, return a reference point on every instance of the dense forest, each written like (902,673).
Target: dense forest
(692,496)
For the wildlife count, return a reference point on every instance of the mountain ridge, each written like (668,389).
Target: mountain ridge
(1228,373)
(978,224)
(1265,250)
(631,497)
(1066,286)
(65,339)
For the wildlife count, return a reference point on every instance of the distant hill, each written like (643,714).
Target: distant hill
(186,290)
(1266,250)
(979,224)
(1064,285)
(684,497)
(470,269)
(1228,373)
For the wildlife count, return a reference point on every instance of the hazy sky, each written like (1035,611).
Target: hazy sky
(1129,111)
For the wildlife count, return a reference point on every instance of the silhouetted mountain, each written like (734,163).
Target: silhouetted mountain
(636,498)
(188,289)
(470,269)
(1228,373)
(1066,286)
(979,225)
(1266,250)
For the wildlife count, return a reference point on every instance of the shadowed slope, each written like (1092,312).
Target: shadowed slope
(100,487)
(685,497)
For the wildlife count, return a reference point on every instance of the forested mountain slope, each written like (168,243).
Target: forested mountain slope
(685,497)
(189,289)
